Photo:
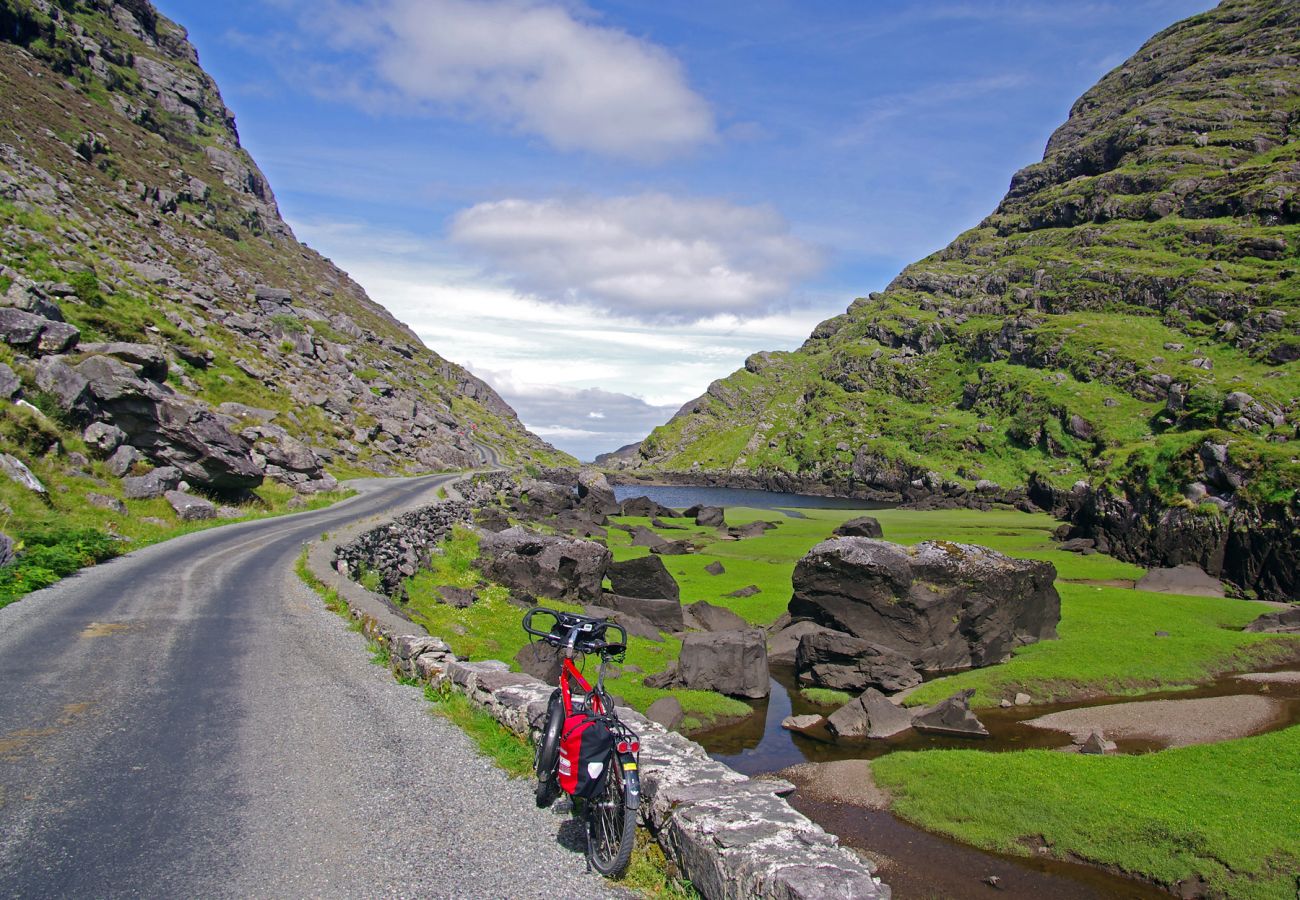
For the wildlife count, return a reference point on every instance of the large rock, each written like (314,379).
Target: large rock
(540,660)
(951,717)
(1188,578)
(784,644)
(729,662)
(10,384)
(710,516)
(643,577)
(595,493)
(544,498)
(18,473)
(171,429)
(152,484)
(539,565)
(832,659)
(647,508)
(715,618)
(667,711)
(190,508)
(35,334)
(869,716)
(288,460)
(644,537)
(149,361)
(662,613)
(862,526)
(939,604)
(1283,621)
(6,549)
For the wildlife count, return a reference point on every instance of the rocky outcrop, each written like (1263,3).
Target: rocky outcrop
(1283,621)
(159,245)
(1128,299)
(595,493)
(1255,547)
(542,566)
(938,605)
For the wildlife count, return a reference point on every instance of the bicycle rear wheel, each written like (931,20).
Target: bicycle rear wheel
(611,825)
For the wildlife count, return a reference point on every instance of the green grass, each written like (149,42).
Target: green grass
(491,629)
(507,750)
(1108,646)
(826,696)
(1226,812)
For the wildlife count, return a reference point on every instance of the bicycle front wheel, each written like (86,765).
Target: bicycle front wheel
(611,825)
(547,755)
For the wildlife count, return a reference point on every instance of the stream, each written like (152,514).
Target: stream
(914,862)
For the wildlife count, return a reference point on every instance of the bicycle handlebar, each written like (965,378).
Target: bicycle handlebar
(574,626)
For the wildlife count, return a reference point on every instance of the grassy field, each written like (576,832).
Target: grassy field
(491,629)
(1226,812)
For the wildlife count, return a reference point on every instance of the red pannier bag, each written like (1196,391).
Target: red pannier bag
(586,747)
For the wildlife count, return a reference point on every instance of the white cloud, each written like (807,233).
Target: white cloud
(555,365)
(595,415)
(651,256)
(533,65)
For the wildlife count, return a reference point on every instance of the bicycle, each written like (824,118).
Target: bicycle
(614,791)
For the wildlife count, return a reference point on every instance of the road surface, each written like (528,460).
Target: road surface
(189,720)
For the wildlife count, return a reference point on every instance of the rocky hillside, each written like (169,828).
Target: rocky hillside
(155,310)
(1123,330)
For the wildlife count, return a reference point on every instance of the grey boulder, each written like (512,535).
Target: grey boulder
(715,618)
(832,659)
(870,715)
(667,711)
(190,508)
(644,577)
(152,484)
(35,335)
(664,614)
(941,605)
(1283,621)
(862,526)
(783,644)
(951,717)
(595,493)
(729,662)
(539,565)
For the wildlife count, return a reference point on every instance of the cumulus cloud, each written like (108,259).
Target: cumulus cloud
(535,66)
(651,256)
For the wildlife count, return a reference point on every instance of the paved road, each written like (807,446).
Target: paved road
(190,721)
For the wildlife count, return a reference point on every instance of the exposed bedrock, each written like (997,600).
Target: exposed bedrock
(1253,547)
(939,605)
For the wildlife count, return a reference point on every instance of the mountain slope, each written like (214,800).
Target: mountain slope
(129,209)
(1129,316)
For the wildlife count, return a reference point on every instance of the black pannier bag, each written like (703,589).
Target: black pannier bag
(586,751)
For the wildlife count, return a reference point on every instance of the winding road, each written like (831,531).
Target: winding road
(189,720)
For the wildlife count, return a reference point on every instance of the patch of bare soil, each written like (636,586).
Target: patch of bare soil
(1174,723)
(841,781)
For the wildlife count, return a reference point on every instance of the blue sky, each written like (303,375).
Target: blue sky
(602,207)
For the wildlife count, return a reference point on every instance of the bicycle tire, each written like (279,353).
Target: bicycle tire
(611,825)
(547,755)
